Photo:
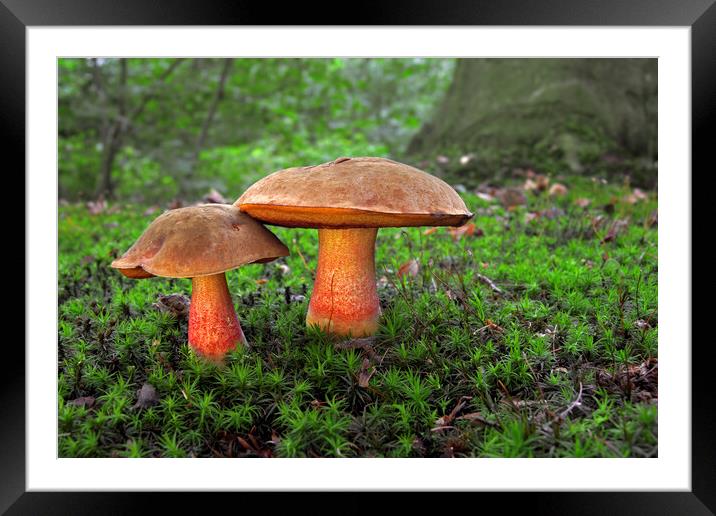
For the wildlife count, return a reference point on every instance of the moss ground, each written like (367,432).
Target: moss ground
(534,336)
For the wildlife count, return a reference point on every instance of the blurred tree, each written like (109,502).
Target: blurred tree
(150,129)
(571,109)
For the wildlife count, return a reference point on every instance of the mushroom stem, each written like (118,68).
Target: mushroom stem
(345,299)
(214,328)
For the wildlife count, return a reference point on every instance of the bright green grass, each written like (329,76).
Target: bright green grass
(575,313)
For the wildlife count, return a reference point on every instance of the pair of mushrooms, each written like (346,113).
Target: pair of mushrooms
(347,200)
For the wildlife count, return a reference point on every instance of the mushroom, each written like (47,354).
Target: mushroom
(347,200)
(202,243)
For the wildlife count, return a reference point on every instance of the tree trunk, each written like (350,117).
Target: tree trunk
(572,108)
(115,130)
(218,96)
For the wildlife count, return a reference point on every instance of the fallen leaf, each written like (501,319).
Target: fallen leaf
(512,197)
(409,268)
(96,207)
(552,213)
(558,189)
(582,202)
(530,216)
(468,229)
(530,185)
(597,221)
(175,304)
(609,208)
(146,396)
(83,401)
(485,196)
(542,182)
(366,371)
(214,197)
(244,443)
(642,324)
(175,204)
(617,227)
(261,281)
(431,230)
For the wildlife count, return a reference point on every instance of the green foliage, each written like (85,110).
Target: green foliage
(273,113)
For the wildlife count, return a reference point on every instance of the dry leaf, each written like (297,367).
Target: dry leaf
(616,228)
(529,185)
(261,281)
(96,207)
(468,229)
(582,202)
(146,396)
(530,216)
(409,268)
(83,401)
(512,197)
(542,182)
(485,196)
(214,197)
(558,189)
(431,230)
(366,371)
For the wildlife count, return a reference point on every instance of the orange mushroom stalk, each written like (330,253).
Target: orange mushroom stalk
(202,243)
(345,298)
(214,327)
(347,200)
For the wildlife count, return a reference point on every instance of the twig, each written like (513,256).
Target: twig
(487,281)
(303,259)
(577,401)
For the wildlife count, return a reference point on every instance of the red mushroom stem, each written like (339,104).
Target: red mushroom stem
(345,299)
(214,328)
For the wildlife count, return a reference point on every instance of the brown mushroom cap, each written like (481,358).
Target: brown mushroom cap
(353,193)
(199,241)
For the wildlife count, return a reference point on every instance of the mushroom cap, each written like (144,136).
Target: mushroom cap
(199,241)
(354,193)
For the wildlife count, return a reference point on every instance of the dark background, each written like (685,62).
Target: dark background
(700,15)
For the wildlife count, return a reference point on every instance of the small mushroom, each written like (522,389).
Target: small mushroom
(347,200)
(202,243)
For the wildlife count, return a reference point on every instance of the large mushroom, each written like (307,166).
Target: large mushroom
(347,200)
(202,243)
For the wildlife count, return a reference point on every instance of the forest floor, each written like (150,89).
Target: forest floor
(529,332)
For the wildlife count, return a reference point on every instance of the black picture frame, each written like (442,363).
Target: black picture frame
(700,15)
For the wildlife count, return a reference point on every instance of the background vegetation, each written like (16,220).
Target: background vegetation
(531,331)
